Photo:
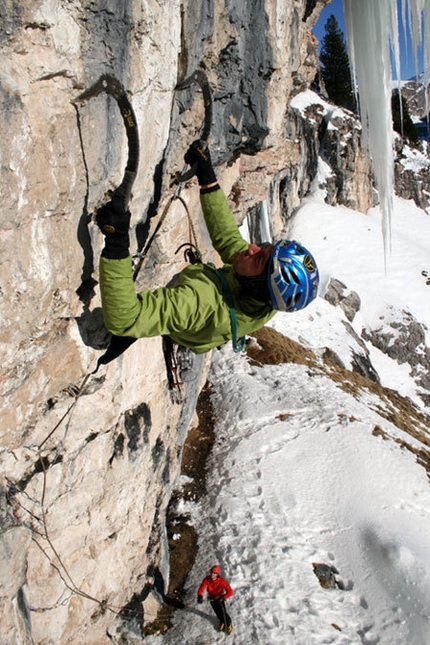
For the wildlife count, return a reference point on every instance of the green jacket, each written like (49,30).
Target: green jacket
(193,311)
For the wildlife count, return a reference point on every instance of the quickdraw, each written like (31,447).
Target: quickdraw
(179,362)
(113,87)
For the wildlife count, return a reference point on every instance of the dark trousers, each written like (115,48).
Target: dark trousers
(219,608)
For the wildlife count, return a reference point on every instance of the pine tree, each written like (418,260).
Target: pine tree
(336,71)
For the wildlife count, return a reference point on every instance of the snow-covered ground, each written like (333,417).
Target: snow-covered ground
(296,476)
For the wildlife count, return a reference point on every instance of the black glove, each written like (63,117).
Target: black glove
(198,154)
(114,222)
(200,599)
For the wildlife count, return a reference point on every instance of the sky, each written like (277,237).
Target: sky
(298,475)
(407,60)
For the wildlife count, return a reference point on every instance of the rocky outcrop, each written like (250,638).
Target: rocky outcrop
(403,339)
(414,93)
(332,136)
(400,336)
(339,295)
(411,172)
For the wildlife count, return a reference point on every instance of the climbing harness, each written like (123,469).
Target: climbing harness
(238,343)
(113,87)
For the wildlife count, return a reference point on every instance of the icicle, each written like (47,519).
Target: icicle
(265,233)
(418,18)
(371,26)
(372,29)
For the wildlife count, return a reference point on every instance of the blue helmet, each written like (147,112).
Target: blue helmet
(292,276)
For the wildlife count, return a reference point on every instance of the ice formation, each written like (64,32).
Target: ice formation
(372,30)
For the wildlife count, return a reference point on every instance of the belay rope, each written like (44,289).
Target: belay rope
(110,85)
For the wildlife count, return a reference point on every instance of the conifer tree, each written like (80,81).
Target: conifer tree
(335,68)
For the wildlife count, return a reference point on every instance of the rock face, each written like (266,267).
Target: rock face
(90,460)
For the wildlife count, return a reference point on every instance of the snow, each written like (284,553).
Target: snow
(305,99)
(349,247)
(298,475)
(414,160)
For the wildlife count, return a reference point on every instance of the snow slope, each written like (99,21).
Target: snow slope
(296,475)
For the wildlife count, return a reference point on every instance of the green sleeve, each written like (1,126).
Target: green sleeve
(194,303)
(121,306)
(221,225)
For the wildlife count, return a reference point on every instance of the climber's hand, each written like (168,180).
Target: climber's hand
(114,222)
(112,218)
(198,155)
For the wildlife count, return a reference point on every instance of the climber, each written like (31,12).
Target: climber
(218,590)
(205,307)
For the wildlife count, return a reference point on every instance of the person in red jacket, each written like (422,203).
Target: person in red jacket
(218,591)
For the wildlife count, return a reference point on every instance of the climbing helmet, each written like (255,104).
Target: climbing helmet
(292,276)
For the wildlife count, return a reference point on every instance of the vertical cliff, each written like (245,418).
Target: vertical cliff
(89,460)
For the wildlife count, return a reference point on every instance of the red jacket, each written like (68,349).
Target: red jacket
(217,589)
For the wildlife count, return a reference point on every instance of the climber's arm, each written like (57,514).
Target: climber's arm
(219,219)
(120,304)
(193,304)
(221,225)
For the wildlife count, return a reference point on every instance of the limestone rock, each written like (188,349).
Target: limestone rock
(338,294)
(93,458)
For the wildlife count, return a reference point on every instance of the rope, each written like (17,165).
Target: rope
(68,411)
(140,256)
